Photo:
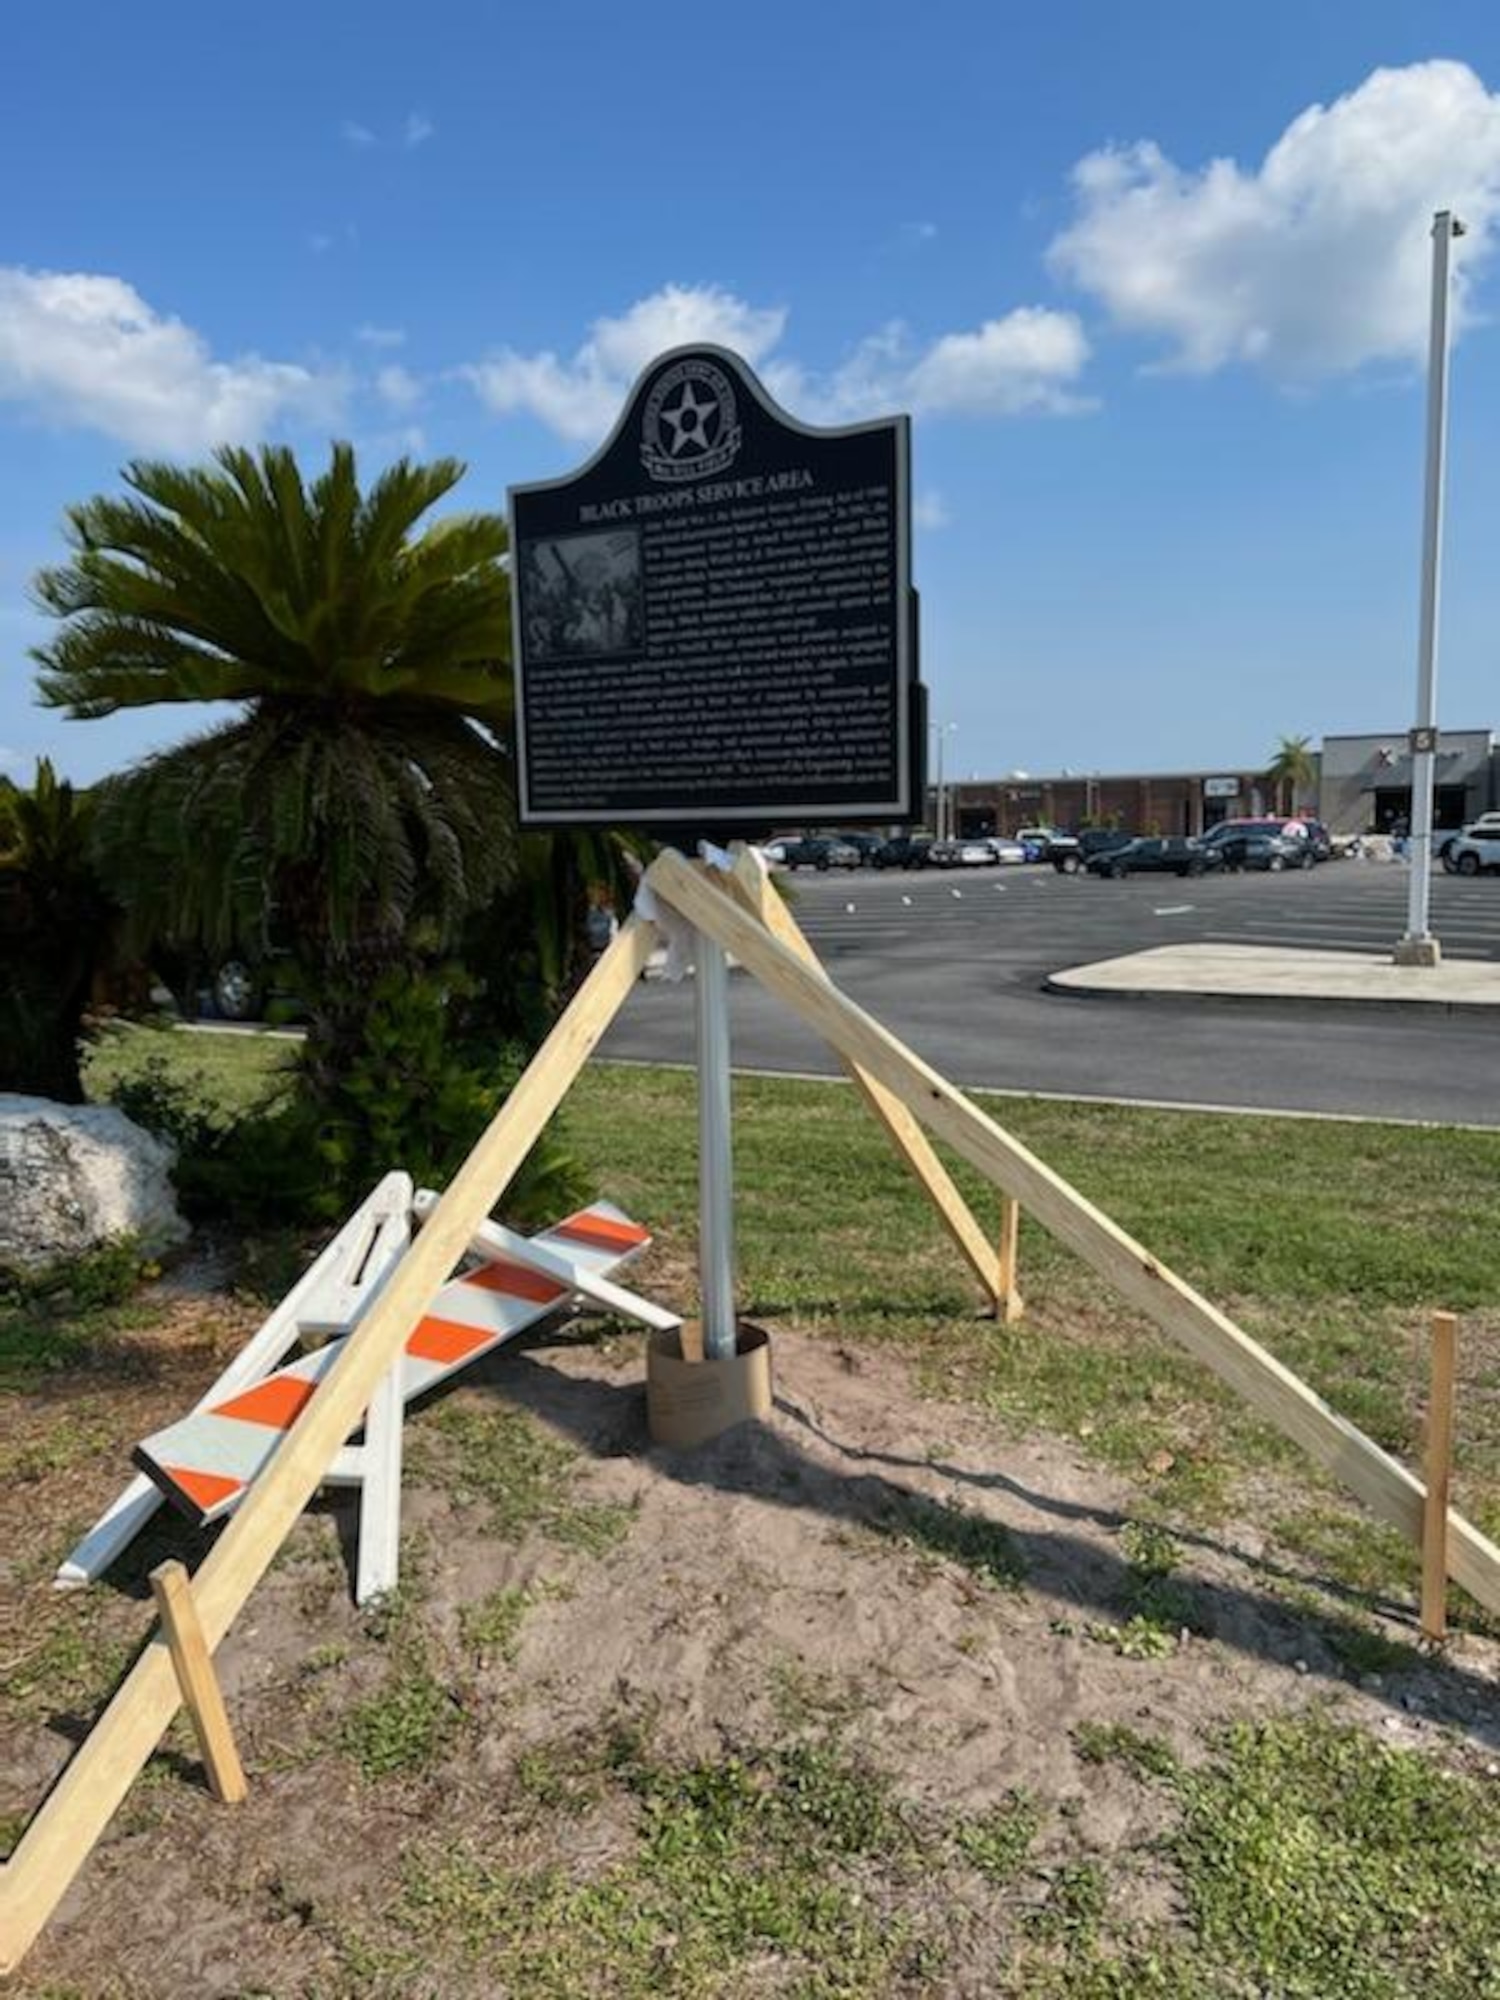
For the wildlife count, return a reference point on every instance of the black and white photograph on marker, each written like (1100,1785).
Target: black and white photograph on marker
(583,595)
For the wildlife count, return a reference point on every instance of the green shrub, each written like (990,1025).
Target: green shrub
(54,924)
(409,1094)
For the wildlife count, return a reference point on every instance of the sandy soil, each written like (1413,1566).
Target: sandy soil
(781,1551)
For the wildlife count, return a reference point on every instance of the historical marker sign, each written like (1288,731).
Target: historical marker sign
(713,618)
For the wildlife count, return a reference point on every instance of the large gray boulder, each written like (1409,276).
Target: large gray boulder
(74,1175)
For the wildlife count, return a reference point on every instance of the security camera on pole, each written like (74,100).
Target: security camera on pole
(1419,946)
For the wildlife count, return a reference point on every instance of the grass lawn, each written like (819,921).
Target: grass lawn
(1275,1849)
(1329,1242)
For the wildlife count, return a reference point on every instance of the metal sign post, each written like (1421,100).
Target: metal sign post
(1419,946)
(715,1151)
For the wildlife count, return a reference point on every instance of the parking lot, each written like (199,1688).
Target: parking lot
(955,962)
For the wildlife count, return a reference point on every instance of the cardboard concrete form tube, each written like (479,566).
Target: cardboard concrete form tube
(690,1400)
(1385,1485)
(752,885)
(84,1799)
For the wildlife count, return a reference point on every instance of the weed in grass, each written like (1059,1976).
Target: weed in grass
(1319,1861)
(740,1868)
(1073,1909)
(75,1663)
(401,1728)
(492,1627)
(1118,1743)
(997,1842)
(1356,1551)
(1149,1548)
(987,1549)
(501,1458)
(1139,1638)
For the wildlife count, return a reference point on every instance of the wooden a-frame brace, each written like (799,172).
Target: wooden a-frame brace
(1268,1385)
(84,1799)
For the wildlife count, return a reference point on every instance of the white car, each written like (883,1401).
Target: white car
(1007,852)
(1476,849)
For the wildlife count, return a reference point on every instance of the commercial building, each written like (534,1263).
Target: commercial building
(1158,802)
(1365,781)
(1362,785)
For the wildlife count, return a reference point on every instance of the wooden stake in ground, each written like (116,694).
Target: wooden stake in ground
(198,1682)
(82,1802)
(1268,1385)
(1010,1305)
(1439,1475)
(751,885)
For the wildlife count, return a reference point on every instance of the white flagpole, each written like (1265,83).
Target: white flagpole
(1419,946)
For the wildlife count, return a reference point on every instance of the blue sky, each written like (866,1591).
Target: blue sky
(1151,280)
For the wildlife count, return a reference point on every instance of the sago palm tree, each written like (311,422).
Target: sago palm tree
(359,799)
(1293,770)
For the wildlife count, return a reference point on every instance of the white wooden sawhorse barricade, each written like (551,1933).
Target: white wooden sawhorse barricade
(205,1461)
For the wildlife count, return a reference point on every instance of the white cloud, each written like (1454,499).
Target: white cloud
(1312,263)
(380,336)
(78,349)
(580,398)
(1025,361)
(398,388)
(417,130)
(930,510)
(360,137)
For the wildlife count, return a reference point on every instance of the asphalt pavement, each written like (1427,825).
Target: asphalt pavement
(956,962)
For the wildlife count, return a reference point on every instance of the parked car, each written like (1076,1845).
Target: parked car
(1154,857)
(1010,853)
(1443,841)
(1036,840)
(817,851)
(1260,843)
(868,845)
(903,850)
(975,853)
(1068,852)
(1476,849)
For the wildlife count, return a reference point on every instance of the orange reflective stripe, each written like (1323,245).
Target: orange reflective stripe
(276,1401)
(602,1231)
(446,1340)
(204,1489)
(518,1281)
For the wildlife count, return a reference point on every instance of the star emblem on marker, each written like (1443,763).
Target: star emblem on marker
(687,421)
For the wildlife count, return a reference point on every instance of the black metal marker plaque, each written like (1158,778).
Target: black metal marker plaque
(712,617)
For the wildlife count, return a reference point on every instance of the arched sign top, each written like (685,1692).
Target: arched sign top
(714,618)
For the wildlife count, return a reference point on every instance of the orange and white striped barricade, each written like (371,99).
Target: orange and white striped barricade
(329,1297)
(206,1461)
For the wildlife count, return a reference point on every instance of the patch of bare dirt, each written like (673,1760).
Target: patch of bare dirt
(849,1558)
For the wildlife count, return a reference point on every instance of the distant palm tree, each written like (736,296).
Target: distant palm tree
(360,798)
(1293,770)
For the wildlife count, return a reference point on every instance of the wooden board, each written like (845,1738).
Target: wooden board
(1385,1485)
(198,1682)
(752,885)
(1439,1476)
(89,1792)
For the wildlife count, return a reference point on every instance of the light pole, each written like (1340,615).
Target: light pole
(1419,946)
(940,730)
